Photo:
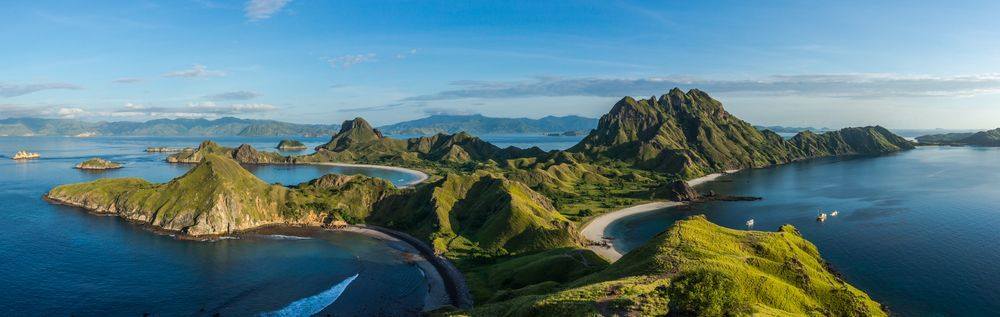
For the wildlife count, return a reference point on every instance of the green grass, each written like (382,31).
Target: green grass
(716,269)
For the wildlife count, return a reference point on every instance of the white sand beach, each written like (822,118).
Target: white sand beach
(595,228)
(421,176)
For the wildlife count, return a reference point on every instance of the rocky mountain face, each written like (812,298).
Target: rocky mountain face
(244,154)
(690,134)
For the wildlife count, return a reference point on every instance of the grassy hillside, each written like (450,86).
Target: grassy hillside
(479,215)
(699,268)
(218,196)
(690,134)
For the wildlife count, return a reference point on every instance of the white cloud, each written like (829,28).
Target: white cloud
(14,90)
(69,113)
(406,54)
(257,10)
(128,80)
(233,95)
(347,61)
(195,71)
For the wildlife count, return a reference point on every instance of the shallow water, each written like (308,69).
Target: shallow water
(917,230)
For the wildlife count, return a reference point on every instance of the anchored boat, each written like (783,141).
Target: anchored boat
(25,155)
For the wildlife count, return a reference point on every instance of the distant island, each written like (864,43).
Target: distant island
(227,126)
(567,133)
(982,138)
(784,129)
(510,218)
(97,164)
(479,124)
(291,145)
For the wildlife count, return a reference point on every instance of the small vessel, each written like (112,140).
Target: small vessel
(25,155)
(750,223)
(834,213)
(821,217)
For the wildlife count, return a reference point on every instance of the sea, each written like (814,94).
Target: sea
(917,230)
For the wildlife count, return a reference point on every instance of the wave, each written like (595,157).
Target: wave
(313,304)
(285,237)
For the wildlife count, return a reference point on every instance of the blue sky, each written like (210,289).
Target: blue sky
(900,64)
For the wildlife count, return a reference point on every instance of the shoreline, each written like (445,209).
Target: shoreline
(594,230)
(445,283)
(421,176)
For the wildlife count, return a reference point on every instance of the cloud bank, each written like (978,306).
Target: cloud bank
(861,86)
(233,95)
(14,90)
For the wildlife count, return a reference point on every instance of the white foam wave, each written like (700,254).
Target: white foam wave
(313,304)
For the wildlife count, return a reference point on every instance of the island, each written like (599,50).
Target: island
(97,164)
(291,145)
(510,219)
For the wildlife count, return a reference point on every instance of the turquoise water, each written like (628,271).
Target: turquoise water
(60,261)
(917,230)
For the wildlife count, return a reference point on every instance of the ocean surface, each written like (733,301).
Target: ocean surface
(917,230)
(61,261)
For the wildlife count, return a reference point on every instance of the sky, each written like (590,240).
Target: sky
(900,64)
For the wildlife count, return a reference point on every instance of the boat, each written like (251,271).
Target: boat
(750,223)
(834,213)
(821,217)
(25,155)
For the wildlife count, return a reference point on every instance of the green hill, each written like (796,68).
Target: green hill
(699,268)
(216,197)
(690,134)
(478,215)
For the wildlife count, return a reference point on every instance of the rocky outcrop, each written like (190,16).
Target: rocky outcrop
(676,191)
(97,164)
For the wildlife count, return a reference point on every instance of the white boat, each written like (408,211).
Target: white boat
(834,213)
(821,217)
(25,155)
(750,223)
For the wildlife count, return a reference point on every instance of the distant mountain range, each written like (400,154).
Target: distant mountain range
(784,129)
(981,138)
(479,124)
(227,126)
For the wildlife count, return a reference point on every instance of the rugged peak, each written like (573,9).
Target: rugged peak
(208,144)
(355,131)
(217,169)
